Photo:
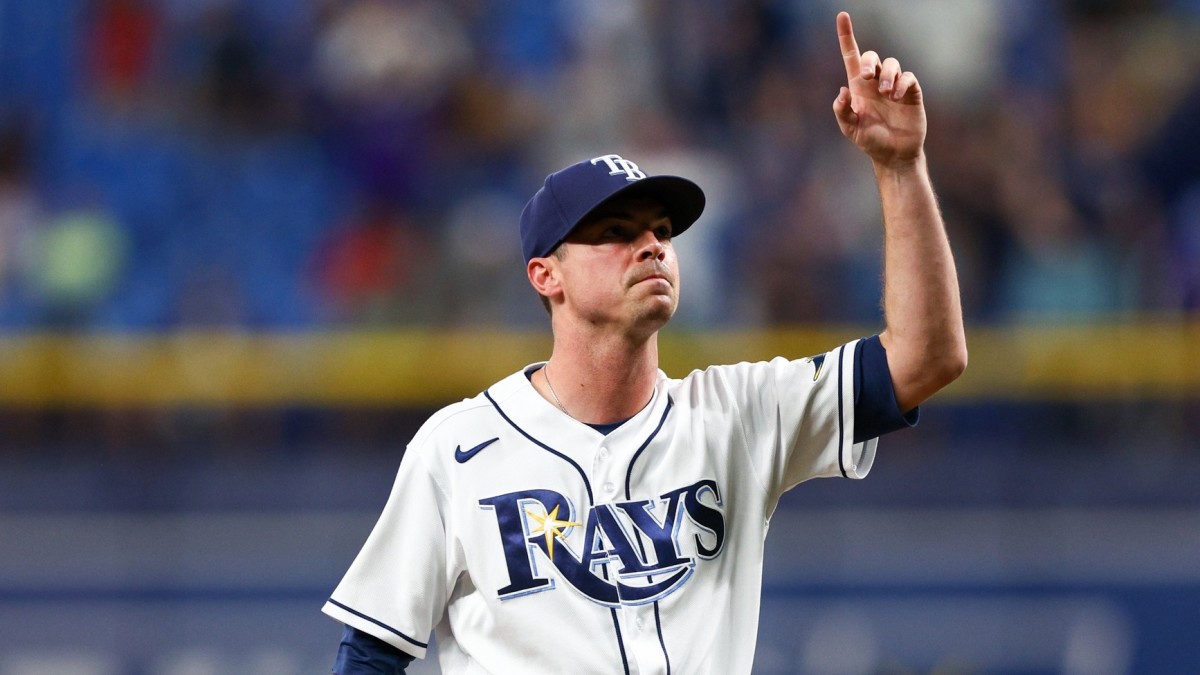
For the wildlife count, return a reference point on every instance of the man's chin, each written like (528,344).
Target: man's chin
(659,308)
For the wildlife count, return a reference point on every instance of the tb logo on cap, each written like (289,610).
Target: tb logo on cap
(618,165)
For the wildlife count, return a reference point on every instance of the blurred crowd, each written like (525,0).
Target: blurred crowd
(278,164)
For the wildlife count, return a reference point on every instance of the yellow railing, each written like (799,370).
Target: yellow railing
(1145,359)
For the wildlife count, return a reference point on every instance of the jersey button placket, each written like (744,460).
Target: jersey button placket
(600,472)
(643,640)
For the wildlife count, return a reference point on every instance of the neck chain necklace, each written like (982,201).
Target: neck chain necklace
(546,377)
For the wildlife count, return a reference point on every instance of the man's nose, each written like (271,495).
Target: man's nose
(650,246)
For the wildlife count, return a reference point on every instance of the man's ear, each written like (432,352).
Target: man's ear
(543,276)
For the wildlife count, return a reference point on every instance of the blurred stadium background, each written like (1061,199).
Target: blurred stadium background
(246,246)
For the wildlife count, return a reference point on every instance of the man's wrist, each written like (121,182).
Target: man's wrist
(898,168)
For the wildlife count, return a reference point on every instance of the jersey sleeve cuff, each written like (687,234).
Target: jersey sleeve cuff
(371,626)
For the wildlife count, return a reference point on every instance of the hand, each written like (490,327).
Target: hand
(881,109)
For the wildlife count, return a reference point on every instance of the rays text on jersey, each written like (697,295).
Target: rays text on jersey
(630,553)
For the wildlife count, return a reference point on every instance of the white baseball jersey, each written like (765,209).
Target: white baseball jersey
(533,543)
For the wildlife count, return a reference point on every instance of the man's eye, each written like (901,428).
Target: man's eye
(663,231)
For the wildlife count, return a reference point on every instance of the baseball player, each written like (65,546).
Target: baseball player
(589,513)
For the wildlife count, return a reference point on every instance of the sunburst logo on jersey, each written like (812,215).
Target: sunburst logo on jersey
(551,527)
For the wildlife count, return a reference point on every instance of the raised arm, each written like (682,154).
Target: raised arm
(883,112)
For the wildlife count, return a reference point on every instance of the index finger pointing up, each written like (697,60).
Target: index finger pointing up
(849,46)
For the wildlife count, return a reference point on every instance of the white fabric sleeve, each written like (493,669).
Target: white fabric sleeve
(798,419)
(397,587)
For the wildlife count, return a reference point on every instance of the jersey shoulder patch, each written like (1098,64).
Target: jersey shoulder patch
(818,362)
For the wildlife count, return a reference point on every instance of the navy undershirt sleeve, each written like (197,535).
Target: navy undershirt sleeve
(875,409)
(364,654)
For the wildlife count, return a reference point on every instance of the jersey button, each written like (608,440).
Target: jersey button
(610,487)
(640,623)
(603,454)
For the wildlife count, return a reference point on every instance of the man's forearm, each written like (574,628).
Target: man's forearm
(924,336)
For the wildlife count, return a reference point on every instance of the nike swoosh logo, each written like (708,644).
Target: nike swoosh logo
(462,457)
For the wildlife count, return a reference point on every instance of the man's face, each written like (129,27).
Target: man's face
(619,267)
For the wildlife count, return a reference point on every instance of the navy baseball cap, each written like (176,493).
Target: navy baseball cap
(570,195)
